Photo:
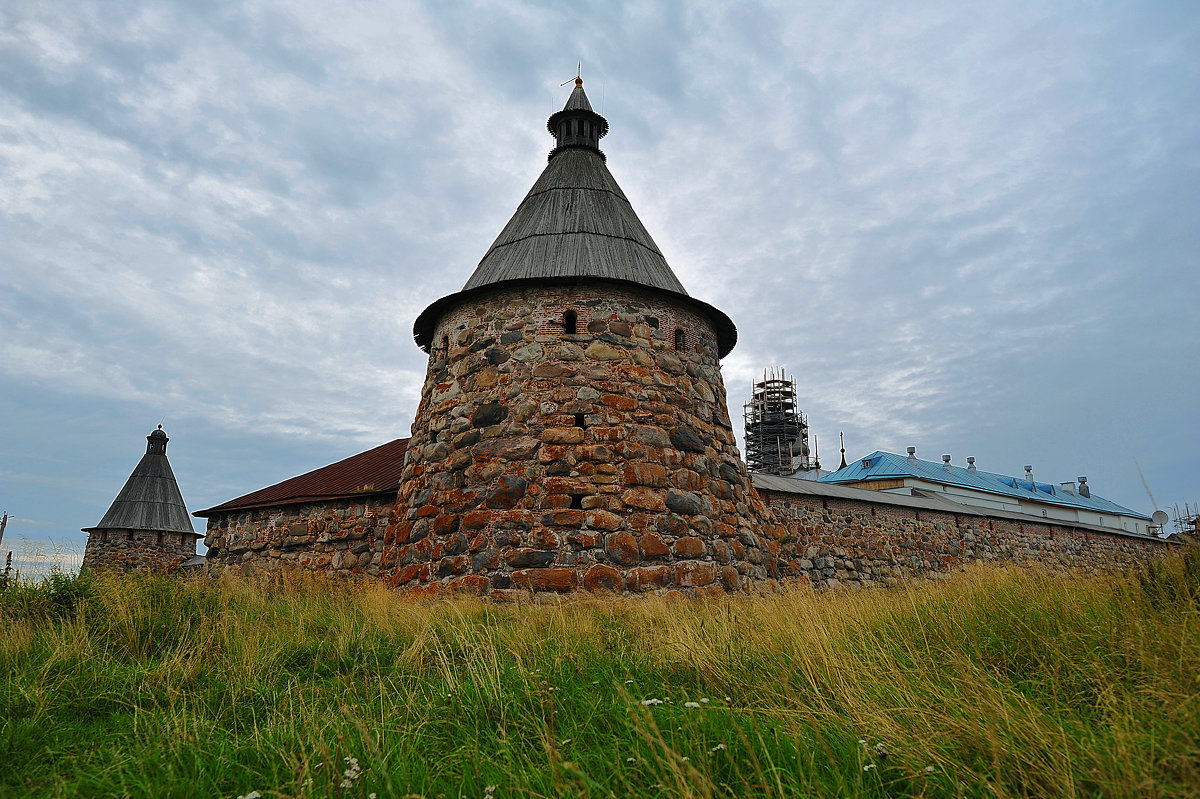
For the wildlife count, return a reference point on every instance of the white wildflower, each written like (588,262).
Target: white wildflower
(704,701)
(489,790)
(683,759)
(347,784)
(717,748)
(692,704)
(868,767)
(371,795)
(929,769)
(595,682)
(629,682)
(631,760)
(566,741)
(651,701)
(862,741)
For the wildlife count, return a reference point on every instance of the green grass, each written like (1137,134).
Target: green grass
(994,683)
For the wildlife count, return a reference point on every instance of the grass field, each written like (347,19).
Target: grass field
(993,683)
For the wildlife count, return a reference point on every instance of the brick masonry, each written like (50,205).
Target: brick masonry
(137,550)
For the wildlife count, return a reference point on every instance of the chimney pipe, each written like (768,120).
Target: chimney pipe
(1029,473)
(912,454)
(946,462)
(971,465)
(1084,491)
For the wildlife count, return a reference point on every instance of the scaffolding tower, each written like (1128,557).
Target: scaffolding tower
(776,430)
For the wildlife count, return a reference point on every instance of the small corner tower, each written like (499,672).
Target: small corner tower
(573,431)
(147,528)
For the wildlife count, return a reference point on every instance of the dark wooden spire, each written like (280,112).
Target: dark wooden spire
(574,224)
(150,499)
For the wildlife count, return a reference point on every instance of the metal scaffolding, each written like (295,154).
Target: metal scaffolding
(776,430)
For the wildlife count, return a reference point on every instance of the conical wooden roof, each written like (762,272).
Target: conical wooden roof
(150,499)
(574,224)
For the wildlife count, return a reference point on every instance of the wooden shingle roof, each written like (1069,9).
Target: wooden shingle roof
(575,224)
(150,498)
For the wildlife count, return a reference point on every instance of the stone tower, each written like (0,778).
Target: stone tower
(147,528)
(573,431)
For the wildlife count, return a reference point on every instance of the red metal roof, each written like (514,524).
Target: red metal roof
(375,471)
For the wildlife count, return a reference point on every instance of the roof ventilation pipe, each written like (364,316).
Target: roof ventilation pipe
(912,454)
(1068,487)
(946,462)
(971,465)
(1029,473)
(1084,491)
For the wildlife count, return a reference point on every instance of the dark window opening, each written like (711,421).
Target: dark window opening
(570,322)
(574,127)
(680,341)
(577,501)
(129,536)
(446,347)
(580,421)
(158,541)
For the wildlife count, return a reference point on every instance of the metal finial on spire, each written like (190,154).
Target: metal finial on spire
(842,439)
(578,73)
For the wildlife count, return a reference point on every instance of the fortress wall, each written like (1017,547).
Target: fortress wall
(834,542)
(603,459)
(137,550)
(337,537)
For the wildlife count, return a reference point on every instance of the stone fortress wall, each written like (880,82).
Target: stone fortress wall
(338,537)
(137,550)
(826,542)
(868,541)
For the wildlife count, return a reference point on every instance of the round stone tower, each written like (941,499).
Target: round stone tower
(573,431)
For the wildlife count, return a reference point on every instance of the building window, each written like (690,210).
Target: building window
(446,348)
(570,322)
(158,540)
(680,340)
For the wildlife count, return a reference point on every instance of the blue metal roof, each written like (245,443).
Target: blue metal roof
(885,465)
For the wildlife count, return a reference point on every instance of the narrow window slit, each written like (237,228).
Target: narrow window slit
(577,501)
(680,341)
(580,421)
(570,322)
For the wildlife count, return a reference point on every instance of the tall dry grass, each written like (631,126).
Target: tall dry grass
(994,683)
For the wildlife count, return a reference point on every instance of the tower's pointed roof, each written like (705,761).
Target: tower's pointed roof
(575,223)
(150,499)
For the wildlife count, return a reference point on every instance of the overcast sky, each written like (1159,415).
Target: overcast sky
(968,227)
